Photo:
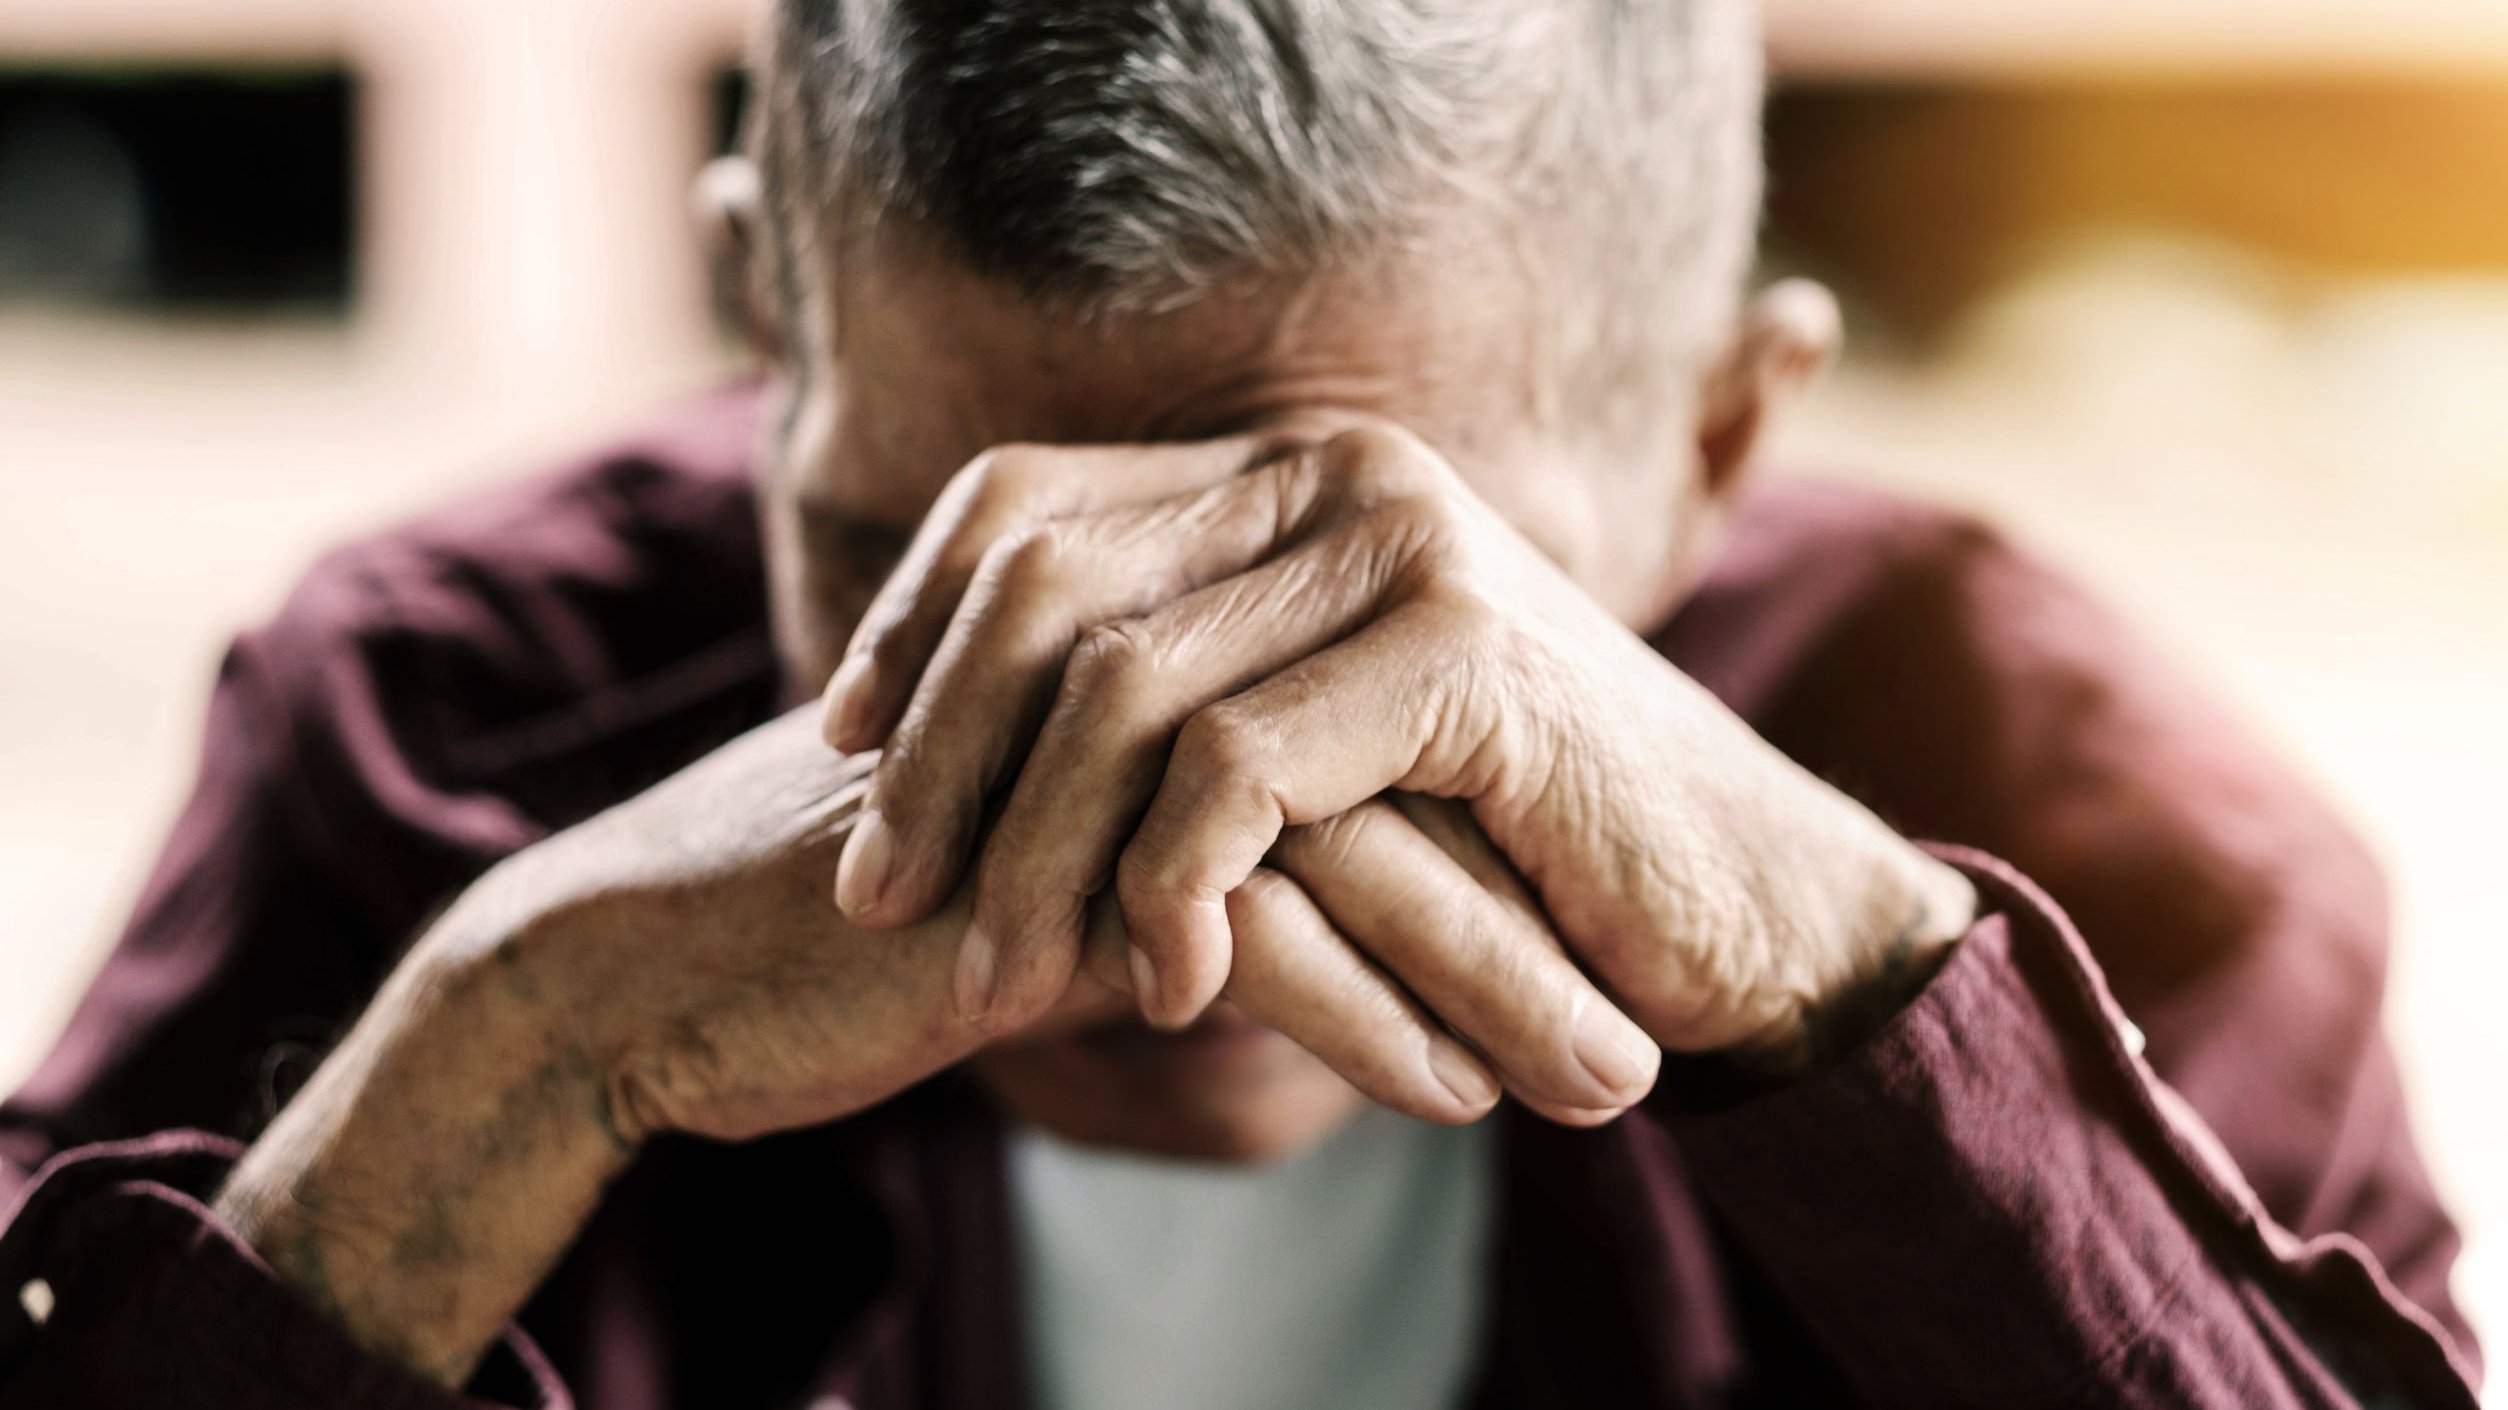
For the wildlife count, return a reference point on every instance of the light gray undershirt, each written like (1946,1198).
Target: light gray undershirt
(1354,1275)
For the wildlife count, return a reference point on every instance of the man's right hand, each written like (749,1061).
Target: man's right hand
(688,942)
(678,964)
(674,964)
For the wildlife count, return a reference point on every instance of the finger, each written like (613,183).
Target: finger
(1299,975)
(1101,987)
(999,493)
(1487,966)
(994,674)
(1319,738)
(1097,759)
(1450,825)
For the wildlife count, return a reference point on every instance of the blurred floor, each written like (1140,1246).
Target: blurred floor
(2304,490)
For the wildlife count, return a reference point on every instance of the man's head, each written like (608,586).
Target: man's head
(1520,230)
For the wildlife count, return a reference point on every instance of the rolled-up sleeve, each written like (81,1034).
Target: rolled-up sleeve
(126,1291)
(251,944)
(1996,1202)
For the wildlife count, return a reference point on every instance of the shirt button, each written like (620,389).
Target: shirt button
(36,1298)
(2134,1041)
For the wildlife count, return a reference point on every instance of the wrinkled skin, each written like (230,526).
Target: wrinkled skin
(1342,616)
(1302,675)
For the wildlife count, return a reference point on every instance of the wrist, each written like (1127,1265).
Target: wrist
(1912,913)
(1916,922)
(422,1184)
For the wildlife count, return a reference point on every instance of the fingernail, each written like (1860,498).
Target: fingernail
(1616,1052)
(1460,1073)
(978,961)
(862,873)
(1144,981)
(848,699)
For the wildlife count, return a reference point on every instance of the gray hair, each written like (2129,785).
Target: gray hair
(1120,156)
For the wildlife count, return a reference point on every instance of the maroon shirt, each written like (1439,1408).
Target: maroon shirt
(1994,1202)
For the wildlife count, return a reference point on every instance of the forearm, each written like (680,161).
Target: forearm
(422,1184)
(1992,1201)
(1918,911)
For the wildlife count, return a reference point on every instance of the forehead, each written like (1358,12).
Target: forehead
(931,363)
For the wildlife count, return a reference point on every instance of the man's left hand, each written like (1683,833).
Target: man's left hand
(1182,653)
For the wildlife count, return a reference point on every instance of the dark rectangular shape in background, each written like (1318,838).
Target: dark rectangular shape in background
(184,189)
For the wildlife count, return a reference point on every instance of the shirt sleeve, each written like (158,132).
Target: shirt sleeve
(125,1291)
(427,701)
(254,939)
(253,942)
(1996,1202)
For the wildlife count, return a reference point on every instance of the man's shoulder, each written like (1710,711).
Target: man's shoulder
(1969,691)
(544,644)
(1799,558)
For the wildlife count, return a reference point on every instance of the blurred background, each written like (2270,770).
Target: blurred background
(2206,298)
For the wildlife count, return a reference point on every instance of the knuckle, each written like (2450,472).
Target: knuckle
(1420,530)
(1110,660)
(889,649)
(1274,448)
(915,788)
(1467,613)
(1029,565)
(898,780)
(1509,1005)
(994,494)
(1295,474)
(1381,460)
(1260,903)
(1112,682)
(1028,913)
(1007,475)
(1157,902)
(1391,1080)
(1538,1014)
(1220,744)
(1340,841)
(1375,447)
(1147,898)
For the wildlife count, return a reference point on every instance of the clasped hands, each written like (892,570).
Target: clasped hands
(1329,738)
(1294,720)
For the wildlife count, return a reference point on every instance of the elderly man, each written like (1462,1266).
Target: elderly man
(1342,859)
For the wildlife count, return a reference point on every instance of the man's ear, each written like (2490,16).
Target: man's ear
(1788,335)
(728,201)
